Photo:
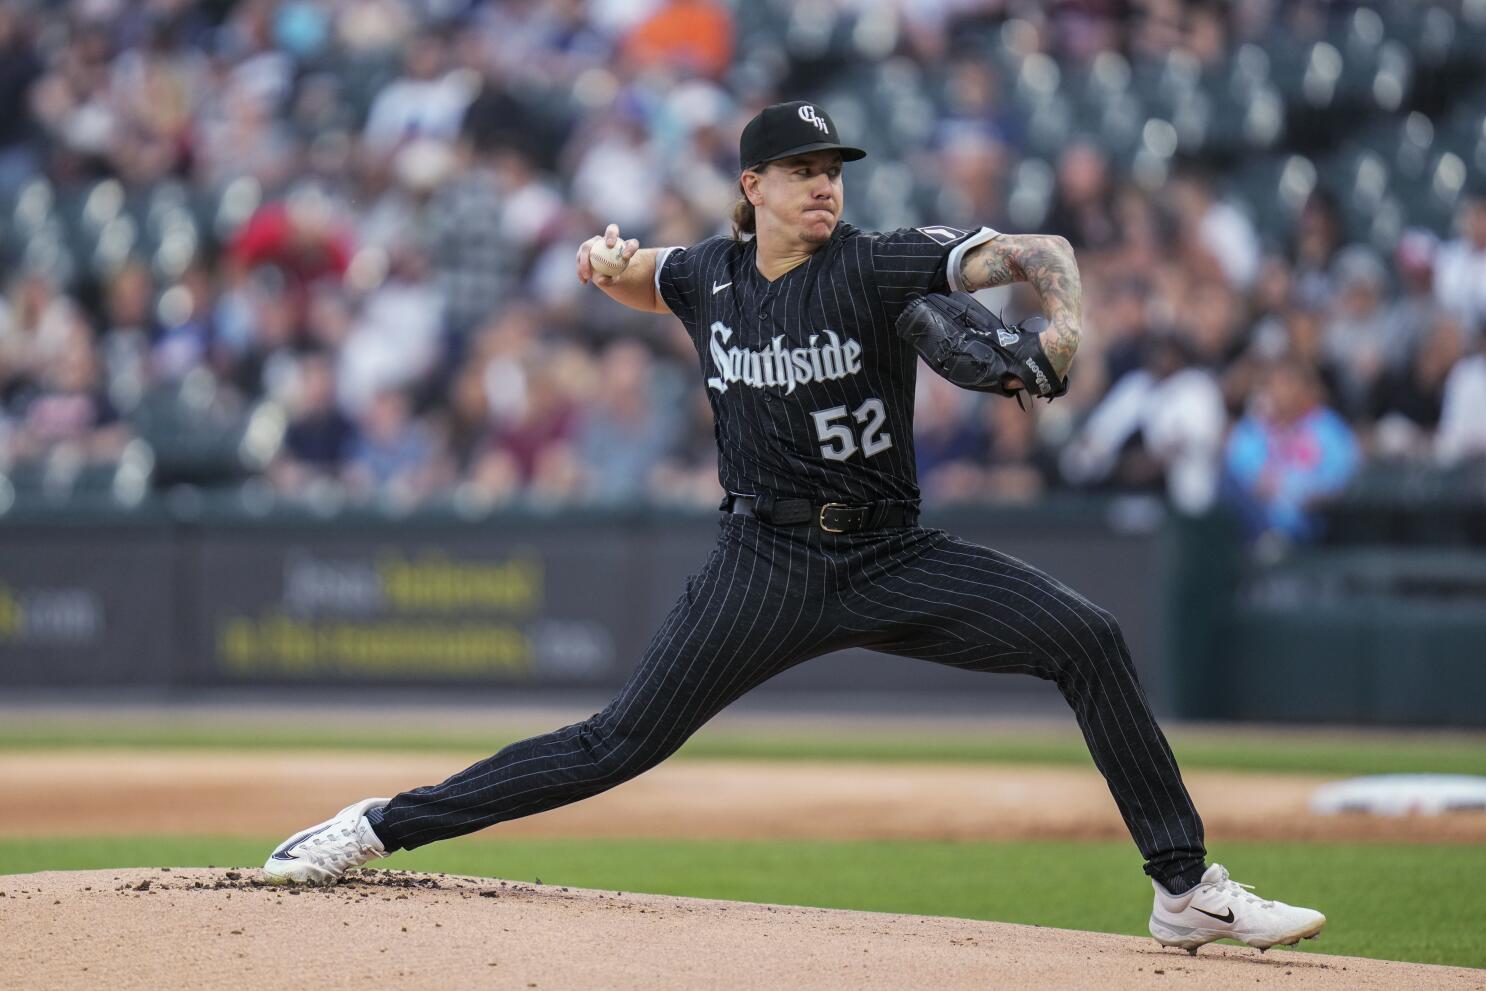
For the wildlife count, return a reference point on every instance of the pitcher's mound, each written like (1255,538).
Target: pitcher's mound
(164,928)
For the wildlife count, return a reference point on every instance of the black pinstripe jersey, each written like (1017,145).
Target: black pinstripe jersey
(811,389)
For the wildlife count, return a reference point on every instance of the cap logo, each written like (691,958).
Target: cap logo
(808,114)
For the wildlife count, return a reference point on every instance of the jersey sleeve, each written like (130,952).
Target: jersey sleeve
(911,261)
(677,275)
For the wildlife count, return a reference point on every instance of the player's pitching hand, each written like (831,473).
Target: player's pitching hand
(602,258)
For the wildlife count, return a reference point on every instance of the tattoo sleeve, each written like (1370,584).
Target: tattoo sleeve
(1046,262)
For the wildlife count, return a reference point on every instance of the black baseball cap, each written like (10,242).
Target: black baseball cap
(786,129)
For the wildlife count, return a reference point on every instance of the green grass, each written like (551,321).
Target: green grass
(1418,902)
(1350,752)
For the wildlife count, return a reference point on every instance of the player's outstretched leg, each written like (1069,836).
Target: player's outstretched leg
(745,617)
(956,603)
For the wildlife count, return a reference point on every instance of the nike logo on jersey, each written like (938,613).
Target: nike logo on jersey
(1228,917)
(777,365)
(717,289)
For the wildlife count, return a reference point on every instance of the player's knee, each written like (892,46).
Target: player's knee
(1098,634)
(620,749)
(608,747)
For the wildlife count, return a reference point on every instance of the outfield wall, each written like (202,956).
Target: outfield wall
(521,600)
(191,598)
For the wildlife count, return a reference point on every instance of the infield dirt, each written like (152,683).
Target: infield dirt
(153,928)
(266,793)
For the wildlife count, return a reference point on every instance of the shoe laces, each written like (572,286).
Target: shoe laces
(1237,889)
(345,846)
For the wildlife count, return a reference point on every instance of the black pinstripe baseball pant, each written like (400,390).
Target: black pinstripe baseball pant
(769,598)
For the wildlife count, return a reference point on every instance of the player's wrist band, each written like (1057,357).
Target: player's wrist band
(832,517)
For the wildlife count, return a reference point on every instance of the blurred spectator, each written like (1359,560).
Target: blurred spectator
(19,69)
(1016,466)
(973,170)
(392,455)
(1288,455)
(33,298)
(467,423)
(1462,433)
(536,439)
(1411,314)
(67,405)
(1006,466)
(1360,332)
(1298,334)
(614,177)
(1160,428)
(976,103)
(1460,268)
(396,339)
(625,435)
(155,87)
(688,477)
(238,134)
(130,330)
(265,360)
(183,339)
(692,35)
(480,227)
(319,437)
(427,101)
(361,210)
(300,238)
(1406,402)
(1212,229)
(1317,238)
(1210,320)
(944,436)
(1082,208)
(72,103)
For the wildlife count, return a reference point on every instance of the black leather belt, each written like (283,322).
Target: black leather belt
(832,517)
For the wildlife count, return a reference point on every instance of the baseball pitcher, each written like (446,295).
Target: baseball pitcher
(807,335)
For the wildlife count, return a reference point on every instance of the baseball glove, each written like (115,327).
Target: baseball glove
(972,347)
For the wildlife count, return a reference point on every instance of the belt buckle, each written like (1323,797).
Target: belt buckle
(822,519)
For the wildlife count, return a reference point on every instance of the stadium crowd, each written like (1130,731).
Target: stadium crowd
(364,215)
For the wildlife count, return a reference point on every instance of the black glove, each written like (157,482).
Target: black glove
(970,346)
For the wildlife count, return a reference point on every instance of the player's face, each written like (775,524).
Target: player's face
(803,195)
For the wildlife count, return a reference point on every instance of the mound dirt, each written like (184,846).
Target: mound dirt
(155,928)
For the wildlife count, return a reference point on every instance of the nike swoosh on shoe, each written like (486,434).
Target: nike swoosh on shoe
(285,852)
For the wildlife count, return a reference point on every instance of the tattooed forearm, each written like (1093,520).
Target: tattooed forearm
(1053,272)
(1047,263)
(989,264)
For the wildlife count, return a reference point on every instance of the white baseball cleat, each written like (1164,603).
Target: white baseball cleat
(321,854)
(1220,908)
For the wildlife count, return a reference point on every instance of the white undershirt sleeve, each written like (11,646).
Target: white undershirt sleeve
(957,254)
(660,263)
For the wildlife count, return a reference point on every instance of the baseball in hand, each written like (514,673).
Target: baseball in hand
(606,260)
